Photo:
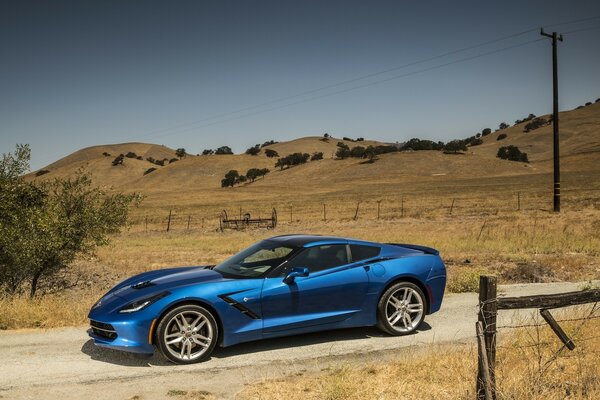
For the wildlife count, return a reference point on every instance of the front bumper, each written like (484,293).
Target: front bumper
(131,336)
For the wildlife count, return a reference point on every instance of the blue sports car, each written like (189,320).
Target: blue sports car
(281,286)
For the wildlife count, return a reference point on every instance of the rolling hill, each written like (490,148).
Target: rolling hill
(195,180)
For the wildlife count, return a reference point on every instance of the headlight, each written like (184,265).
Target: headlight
(142,303)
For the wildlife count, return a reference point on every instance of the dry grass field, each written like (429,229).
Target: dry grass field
(528,368)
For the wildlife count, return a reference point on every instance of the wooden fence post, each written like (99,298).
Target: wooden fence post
(452,206)
(291,213)
(488,310)
(169,222)
(402,207)
(146,223)
(518,201)
(324,213)
(378,208)
(356,213)
(484,365)
(189,219)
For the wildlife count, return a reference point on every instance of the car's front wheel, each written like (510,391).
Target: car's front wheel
(401,309)
(187,334)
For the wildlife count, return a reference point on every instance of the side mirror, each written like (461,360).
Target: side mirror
(295,272)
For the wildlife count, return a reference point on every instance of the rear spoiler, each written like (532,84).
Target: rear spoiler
(424,249)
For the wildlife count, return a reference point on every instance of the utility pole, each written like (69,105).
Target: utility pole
(555,37)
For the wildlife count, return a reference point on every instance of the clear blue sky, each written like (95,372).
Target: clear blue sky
(79,73)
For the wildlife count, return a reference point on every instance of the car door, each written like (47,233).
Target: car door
(333,292)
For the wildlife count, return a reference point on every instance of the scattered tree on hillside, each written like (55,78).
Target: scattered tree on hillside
(597,100)
(208,152)
(44,227)
(418,144)
(589,103)
(180,152)
(230,178)
(268,143)
(118,160)
(502,136)
(131,154)
(105,154)
(241,179)
(326,135)
(172,160)
(254,173)
(150,159)
(317,155)
(357,152)
(254,150)
(224,150)
(343,151)
(536,123)
(455,146)
(503,125)
(42,172)
(151,169)
(271,153)
(292,159)
(512,153)
(475,142)
(486,132)
(528,118)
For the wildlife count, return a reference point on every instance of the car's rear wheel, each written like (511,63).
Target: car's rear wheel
(187,334)
(401,309)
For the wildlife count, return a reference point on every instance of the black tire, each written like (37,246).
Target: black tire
(177,324)
(387,309)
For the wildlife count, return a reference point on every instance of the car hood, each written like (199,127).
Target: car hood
(164,279)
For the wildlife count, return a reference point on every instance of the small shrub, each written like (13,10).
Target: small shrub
(268,143)
(597,100)
(318,155)
(324,139)
(139,157)
(463,280)
(42,172)
(589,103)
(503,125)
(502,136)
(105,154)
(131,154)
(152,169)
(535,124)
(172,160)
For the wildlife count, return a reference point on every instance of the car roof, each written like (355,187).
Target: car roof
(303,240)
(300,240)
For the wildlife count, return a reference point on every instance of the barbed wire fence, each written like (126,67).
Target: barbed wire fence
(545,348)
(331,210)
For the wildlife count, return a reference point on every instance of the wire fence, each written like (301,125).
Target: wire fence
(344,209)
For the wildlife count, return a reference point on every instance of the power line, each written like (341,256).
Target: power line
(352,88)
(192,125)
(582,30)
(341,83)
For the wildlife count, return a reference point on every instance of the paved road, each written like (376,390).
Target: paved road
(63,363)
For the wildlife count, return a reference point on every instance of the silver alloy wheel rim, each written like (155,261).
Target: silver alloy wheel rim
(188,335)
(404,309)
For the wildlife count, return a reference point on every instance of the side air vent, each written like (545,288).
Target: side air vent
(243,309)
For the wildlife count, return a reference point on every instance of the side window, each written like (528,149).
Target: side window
(319,258)
(361,252)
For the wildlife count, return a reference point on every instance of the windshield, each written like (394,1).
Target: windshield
(255,261)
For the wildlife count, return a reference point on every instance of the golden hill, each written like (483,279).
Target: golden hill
(195,180)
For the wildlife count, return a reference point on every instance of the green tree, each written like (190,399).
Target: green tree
(180,152)
(224,150)
(253,173)
(45,226)
(317,155)
(254,150)
(230,178)
(271,153)
(455,146)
